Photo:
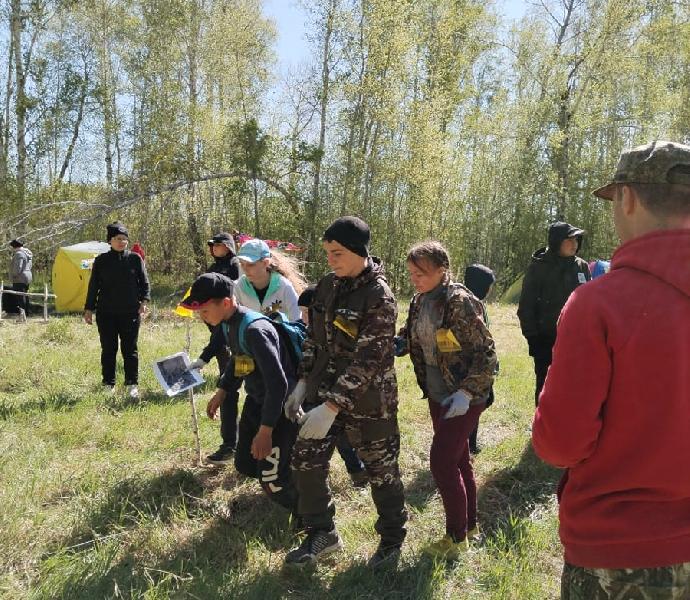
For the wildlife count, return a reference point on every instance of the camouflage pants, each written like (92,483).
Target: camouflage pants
(661,583)
(379,453)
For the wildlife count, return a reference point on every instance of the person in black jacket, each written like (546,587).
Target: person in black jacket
(118,292)
(225,261)
(222,248)
(553,274)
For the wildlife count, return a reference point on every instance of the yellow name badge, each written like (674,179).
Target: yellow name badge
(446,341)
(244,365)
(347,327)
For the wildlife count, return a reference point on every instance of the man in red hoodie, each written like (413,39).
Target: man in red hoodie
(615,408)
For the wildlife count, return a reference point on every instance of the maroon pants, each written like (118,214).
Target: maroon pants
(452,469)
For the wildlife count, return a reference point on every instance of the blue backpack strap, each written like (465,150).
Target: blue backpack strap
(247,319)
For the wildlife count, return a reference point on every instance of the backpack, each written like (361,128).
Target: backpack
(291,333)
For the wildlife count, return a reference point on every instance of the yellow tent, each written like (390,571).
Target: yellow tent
(71,274)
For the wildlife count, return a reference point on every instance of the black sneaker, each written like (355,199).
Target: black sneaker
(384,557)
(222,456)
(317,543)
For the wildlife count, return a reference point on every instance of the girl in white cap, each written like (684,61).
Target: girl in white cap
(271,281)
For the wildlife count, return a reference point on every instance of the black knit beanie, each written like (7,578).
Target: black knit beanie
(307,296)
(478,280)
(350,232)
(116,228)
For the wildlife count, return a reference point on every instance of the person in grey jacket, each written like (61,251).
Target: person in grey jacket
(20,274)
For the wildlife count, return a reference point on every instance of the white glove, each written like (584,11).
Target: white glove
(197,364)
(301,416)
(295,399)
(317,422)
(457,403)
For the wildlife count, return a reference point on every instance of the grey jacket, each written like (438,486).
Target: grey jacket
(20,267)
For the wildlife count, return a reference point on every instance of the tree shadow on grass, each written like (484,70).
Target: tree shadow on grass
(117,548)
(410,580)
(135,499)
(516,491)
(421,489)
(356,581)
(120,550)
(52,402)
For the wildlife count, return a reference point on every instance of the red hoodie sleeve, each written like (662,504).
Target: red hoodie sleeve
(568,420)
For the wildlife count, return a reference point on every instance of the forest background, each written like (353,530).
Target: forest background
(428,118)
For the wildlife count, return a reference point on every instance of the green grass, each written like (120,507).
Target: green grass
(101,499)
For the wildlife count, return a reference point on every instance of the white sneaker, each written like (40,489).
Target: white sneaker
(108,389)
(133,392)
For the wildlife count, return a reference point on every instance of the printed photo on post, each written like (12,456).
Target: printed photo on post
(174,374)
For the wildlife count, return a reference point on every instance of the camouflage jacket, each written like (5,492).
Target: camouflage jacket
(348,355)
(466,354)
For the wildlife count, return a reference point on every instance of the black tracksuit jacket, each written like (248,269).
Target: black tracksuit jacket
(118,284)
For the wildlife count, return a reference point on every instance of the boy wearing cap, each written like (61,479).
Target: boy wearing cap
(20,275)
(222,248)
(553,274)
(348,383)
(615,407)
(264,287)
(118,292)
(265,436)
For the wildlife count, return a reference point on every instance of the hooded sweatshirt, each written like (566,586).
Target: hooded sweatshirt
(549,281)
(615,410)
(20,267)
(280,296)
(272,375)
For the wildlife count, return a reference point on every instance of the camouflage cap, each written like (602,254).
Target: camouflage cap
(657,162)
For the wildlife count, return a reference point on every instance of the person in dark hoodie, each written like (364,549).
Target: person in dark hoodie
(225,261)
(479,279)
(554,273)
(118,292)
(615,410)
(265,436)
(20,275)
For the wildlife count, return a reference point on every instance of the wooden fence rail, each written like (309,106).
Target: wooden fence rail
(45,295)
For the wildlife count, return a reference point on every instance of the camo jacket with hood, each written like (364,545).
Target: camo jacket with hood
(349,353)
(465,351)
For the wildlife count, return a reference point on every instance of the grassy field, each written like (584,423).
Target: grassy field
(100,497)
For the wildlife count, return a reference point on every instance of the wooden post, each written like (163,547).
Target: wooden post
(195,420)
(45,302)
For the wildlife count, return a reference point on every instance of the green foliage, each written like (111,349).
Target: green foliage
(58,331)
(429,119)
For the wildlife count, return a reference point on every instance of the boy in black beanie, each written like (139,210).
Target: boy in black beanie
(348,384)
(118,292)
